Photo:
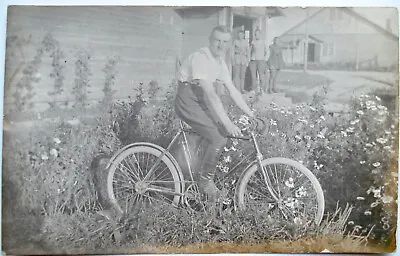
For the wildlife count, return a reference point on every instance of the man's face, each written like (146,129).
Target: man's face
(241,35)
(219,43)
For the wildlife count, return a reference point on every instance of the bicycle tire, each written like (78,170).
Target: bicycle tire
(243,197)
(142,150)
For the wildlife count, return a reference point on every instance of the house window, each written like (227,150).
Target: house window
(331,50)
(328,49)
(325,50)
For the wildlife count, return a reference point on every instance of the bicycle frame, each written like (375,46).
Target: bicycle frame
(188,157)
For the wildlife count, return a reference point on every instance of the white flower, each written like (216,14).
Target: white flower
(298,221)
(350,222)
(227,159)
(45,157)
(313,109)
(303,121)
(367,213)
(321,136)
(360,112)
(225,169)
(235,142)
(369,145)
(387,147)
(344,133)
(374,204)
(322,117)
(311,126)
(289,183)
(350,129)
(381,140)
(357,227)
(376,191)
(54,152)
(362,162)
(57,140)
(394,174)
(377,98)
(373,108)
(355,121)
(360,198)
(376,164)
(297,137)
(272,122)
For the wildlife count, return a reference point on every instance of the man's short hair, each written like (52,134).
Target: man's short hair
(221,28)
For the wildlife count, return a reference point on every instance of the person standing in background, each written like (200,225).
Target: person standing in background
(275,63)
(257,62)
(241,58)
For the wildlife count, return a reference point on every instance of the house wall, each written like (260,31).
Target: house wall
(196,29)
(146,39)
(348,37)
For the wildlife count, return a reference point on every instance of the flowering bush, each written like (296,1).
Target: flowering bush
(51,169)
(350,154)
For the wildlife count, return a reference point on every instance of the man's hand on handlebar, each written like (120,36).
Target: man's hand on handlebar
(233,130)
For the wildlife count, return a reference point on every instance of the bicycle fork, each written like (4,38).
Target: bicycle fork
(265,174)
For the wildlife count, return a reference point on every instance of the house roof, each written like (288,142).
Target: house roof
(193,10)
(351,12)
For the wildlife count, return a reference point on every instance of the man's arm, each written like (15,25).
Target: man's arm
(214,102)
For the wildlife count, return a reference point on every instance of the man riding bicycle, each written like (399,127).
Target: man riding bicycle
(198,104)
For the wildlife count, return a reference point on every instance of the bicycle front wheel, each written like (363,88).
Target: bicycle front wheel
(127,189)
(285,189)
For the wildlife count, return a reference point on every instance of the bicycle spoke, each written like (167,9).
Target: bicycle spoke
(123,191)
(277,184)
(158,174)
(256,192)
(139,167)
(123,186)
(124,180)
(129,171)
(124,170)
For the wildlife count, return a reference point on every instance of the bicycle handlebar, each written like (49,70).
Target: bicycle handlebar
(256,124)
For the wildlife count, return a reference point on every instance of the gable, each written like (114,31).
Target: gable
(337,21)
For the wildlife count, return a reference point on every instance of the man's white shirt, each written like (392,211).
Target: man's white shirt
(203,65)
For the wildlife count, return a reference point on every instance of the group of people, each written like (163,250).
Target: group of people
(255,56)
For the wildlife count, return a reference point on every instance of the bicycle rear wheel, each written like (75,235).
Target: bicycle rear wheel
(294,197)
(127,190)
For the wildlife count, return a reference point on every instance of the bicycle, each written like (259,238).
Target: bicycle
(147,173)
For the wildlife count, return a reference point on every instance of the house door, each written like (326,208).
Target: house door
(311,52)
(246,24)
